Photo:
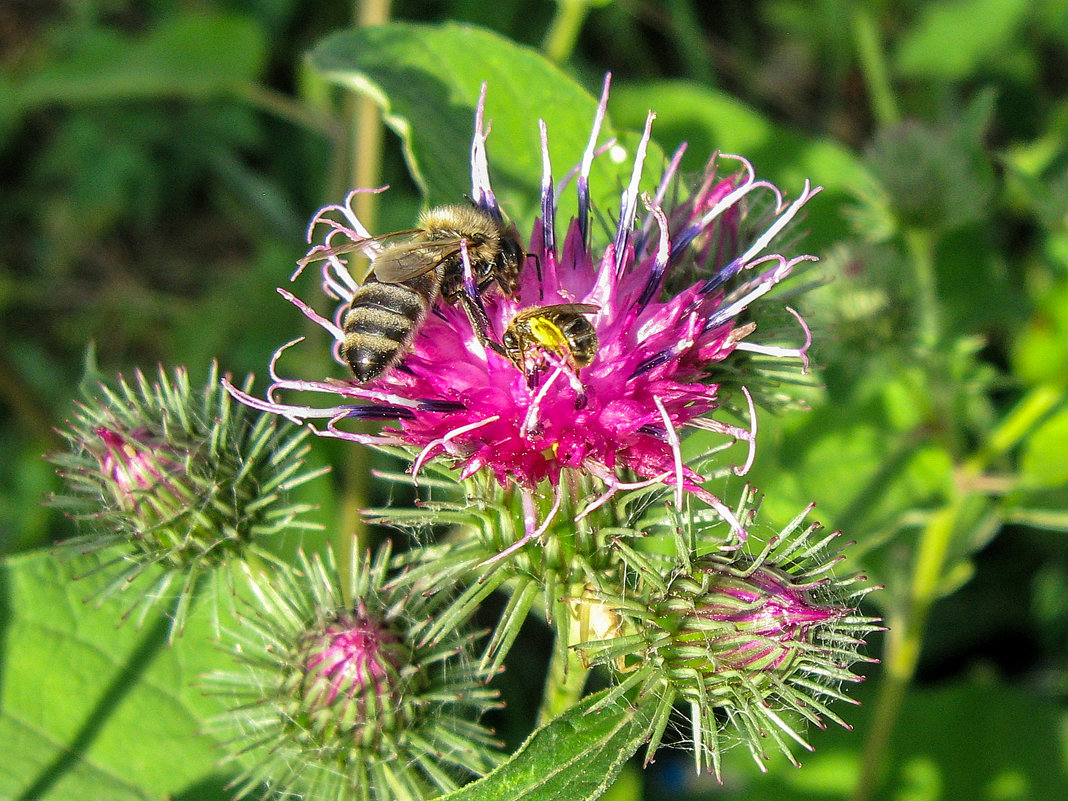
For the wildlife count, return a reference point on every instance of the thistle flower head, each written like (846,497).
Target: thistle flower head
(165,476)
(756,645)
(339,699)
(669,301)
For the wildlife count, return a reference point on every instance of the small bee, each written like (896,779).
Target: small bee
(561,330)
(408,276)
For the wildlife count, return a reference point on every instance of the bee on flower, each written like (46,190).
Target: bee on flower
(630,349)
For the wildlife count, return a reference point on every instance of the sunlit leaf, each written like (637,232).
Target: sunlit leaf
(91,710)
(576,756)
(427,82)
(951,40)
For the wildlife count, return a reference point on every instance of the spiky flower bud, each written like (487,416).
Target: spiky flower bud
(751,616)
(164,475)
(347,677)
(756,644)
(134,462)
(353,699)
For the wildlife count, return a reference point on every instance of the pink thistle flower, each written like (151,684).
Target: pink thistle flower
(652,377)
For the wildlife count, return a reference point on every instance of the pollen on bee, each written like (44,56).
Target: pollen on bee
(548,334)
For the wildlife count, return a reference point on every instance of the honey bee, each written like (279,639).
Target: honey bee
(408,276)
(561,330)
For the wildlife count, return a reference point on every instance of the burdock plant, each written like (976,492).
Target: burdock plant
(562,480)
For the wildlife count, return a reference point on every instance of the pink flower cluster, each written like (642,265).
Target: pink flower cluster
(618,419)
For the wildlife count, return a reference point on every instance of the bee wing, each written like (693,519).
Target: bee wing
(407,260)
(557,309)
(320,252)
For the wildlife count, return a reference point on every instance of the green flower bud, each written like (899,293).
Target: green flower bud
(756,645)
(339,700)
(186,481)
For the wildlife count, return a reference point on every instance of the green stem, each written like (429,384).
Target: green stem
(906,627)
(563,685)
(1035,405)
(364,146)
(287,108)
(873,65)
(904,642)
(564,29)
(567,675)
(921,245)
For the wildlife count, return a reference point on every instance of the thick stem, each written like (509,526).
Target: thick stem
(920,243)
(364,138)
(905,639)
(567,675)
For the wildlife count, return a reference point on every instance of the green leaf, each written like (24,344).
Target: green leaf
(427,80)
(576,756)
(953,40)
(1040,352)
(190,55)
(91,710)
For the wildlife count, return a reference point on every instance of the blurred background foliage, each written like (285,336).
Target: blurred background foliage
(159,160)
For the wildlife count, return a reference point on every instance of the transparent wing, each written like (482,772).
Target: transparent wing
(407,260)
(320,252)
(556,310)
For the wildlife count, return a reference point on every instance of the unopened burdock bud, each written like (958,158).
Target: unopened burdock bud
(339,700)
(753,618)
(165,477)
(348,680)
(757,645)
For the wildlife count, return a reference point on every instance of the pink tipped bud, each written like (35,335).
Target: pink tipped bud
(134,463)
(760,621)
(350,682)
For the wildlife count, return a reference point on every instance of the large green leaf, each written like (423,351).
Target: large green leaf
(427,81)
(90,710)
(93,710)
(954,39)
(576,756)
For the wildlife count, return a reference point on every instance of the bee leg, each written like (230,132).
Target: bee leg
(480,324)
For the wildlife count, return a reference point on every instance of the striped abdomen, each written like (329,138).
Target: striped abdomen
(382,321)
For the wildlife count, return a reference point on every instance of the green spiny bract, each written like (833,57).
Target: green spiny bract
(339,694)
(757,645)
(186,481)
